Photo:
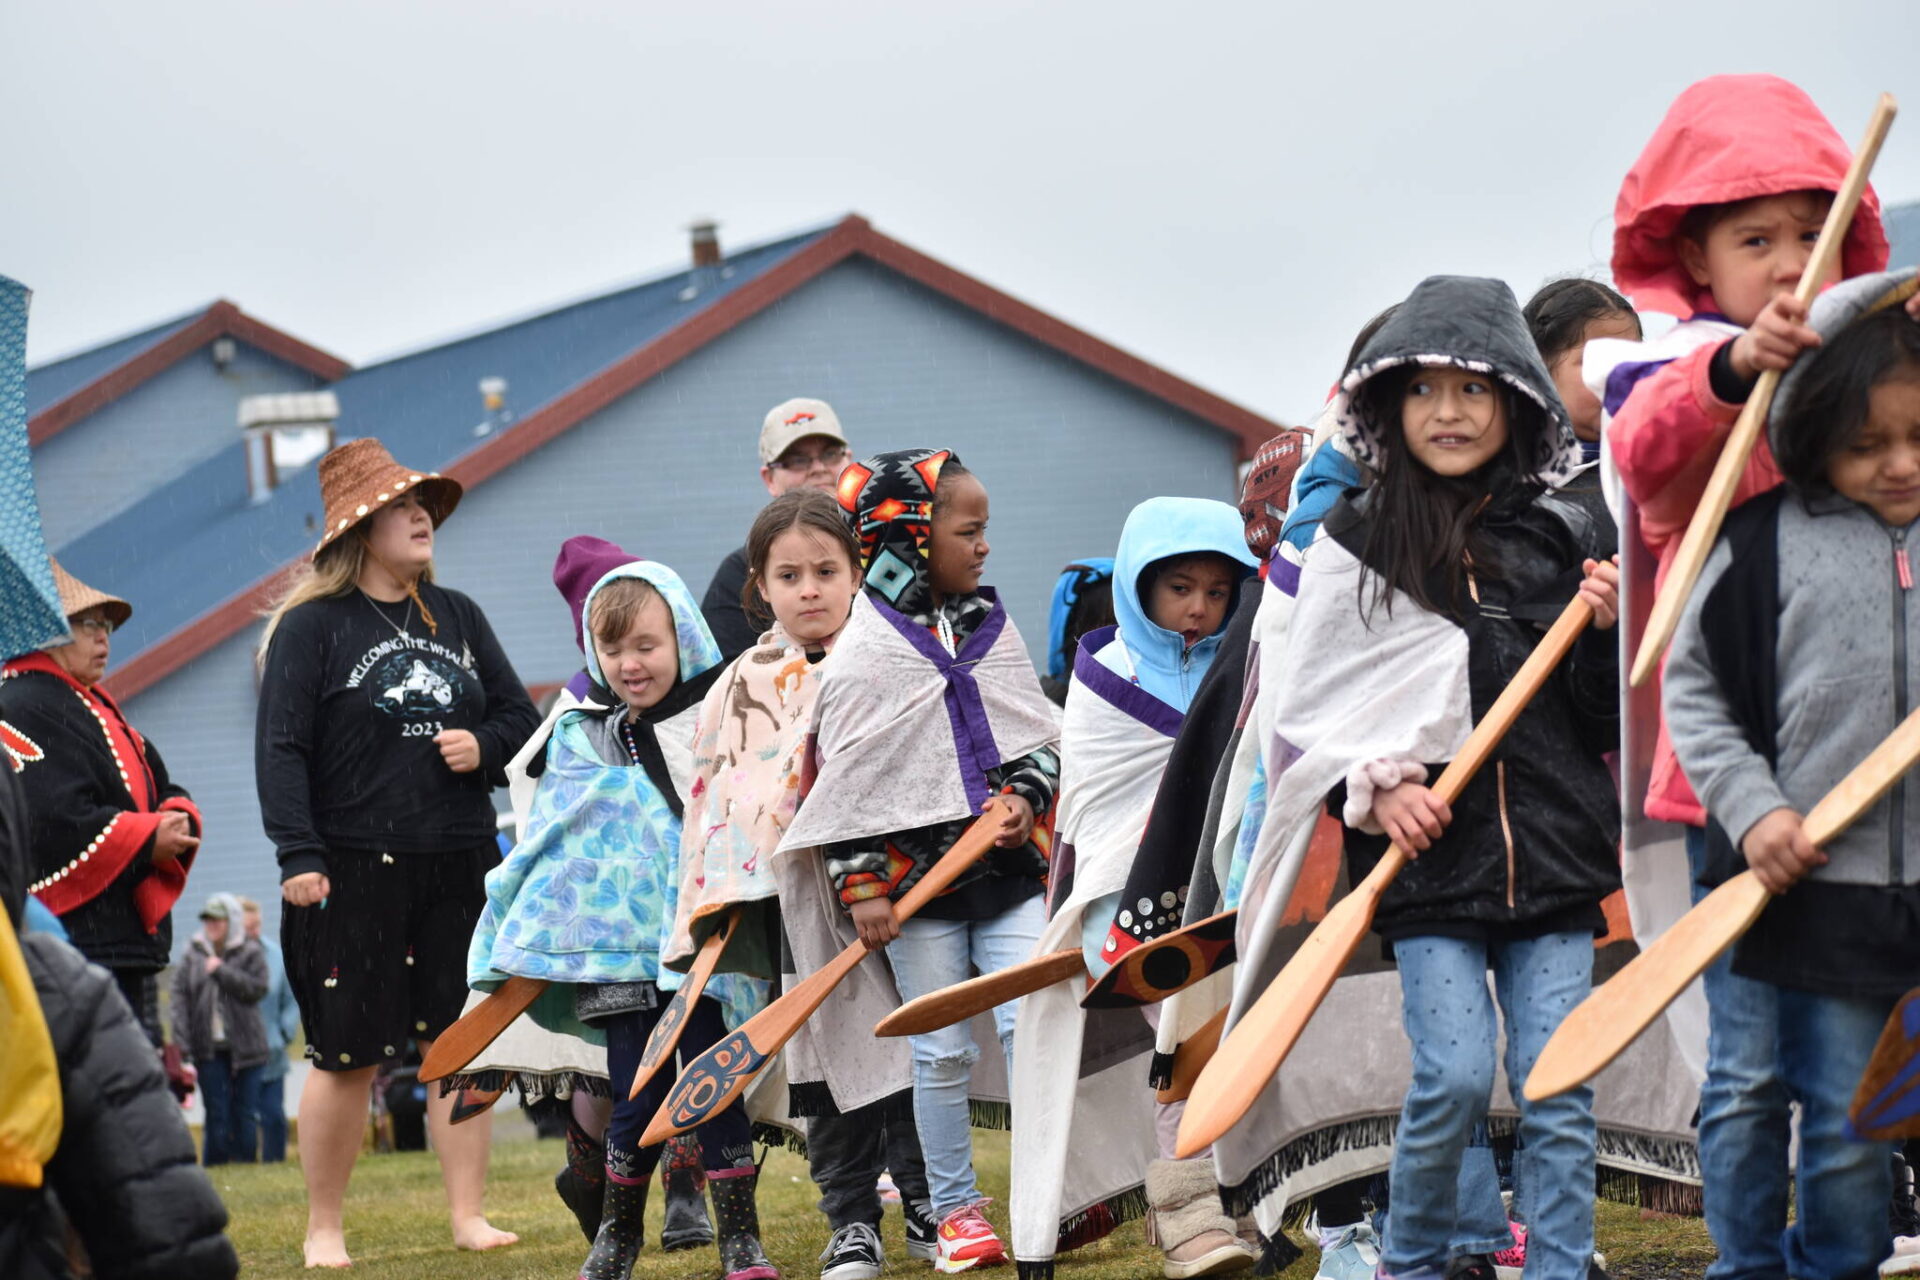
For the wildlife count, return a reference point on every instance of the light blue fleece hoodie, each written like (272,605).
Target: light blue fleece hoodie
(1157,659)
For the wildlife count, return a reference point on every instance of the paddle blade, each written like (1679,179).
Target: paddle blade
(961,1001)
(1601,1027)
(1886,1107)
(468,1103)
(1170,963)
(673,1019)
(1192,1057)
(479,1027)
(1261,1041)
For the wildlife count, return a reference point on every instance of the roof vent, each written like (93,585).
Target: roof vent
(284,433)
(705,233)
(709,268)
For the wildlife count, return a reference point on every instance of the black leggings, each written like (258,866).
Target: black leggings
(726,1140)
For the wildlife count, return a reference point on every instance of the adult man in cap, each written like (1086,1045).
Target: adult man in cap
(801,444)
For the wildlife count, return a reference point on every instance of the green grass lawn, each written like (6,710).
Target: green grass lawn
(396,1224)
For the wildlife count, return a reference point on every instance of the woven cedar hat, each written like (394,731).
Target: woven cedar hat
(360,477)
(77,597)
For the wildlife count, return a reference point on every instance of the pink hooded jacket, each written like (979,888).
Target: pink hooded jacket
(1725,139)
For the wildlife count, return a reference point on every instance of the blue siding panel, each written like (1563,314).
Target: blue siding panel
(58,379)
(1903,230)
(154,435)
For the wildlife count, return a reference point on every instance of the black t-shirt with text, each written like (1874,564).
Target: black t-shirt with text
(352,695)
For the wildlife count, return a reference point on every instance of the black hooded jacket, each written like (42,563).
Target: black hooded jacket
(1533,843)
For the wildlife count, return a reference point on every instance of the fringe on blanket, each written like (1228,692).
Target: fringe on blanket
(1627,1161)
(1160,1071)
(561,1085)
(984,1113)
(807,1099)
(1097,1221)
(773,1135)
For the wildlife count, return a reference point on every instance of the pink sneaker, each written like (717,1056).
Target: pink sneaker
(1508,1263)
(966,1241)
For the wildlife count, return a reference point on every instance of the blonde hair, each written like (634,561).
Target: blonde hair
(616,607)
(334,570)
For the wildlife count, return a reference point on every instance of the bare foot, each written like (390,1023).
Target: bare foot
(478,1233)
(327,1248)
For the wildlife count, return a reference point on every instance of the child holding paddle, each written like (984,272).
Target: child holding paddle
(928,709)
(585,899)
(1422,596)
(1791,663)
(803,566)
(1714,225)
(1086,1140)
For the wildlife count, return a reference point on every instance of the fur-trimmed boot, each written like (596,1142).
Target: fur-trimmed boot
(623,1225)
(583,1183)
(738,1220)
(1186,1222)
(687,1225)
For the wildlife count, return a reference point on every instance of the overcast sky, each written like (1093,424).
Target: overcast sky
(1226,190)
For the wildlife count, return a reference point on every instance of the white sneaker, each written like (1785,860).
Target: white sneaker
(1353,1254)
(1905,1258)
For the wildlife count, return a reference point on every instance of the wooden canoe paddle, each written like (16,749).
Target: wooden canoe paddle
(1192,1057)
(479,1027)
(1886,1106)
(1691,556)
(1165,965)
(1600,1027)
(673,1019)
(962,1000)
(714,1079)
(1256,1046)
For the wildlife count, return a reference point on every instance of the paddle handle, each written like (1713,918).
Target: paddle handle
(1718,496)
(963,1000)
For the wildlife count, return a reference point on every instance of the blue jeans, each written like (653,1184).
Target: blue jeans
(1840,1230)
(224,1094)
(1449,1017)
(1744,1123)
(1480,1216)
(269,1109)
(929,955)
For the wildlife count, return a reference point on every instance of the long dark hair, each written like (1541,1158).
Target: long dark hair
(1558,314)
(1423,526)
(1831,396)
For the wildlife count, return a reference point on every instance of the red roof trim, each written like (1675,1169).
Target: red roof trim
(852,236)
(221,320)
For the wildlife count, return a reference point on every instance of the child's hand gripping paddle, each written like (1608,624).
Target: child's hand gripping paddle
(1261,1040)
(673,1019)
(1600,1027)
(962,1000)
(722,1073)
(1718,495)
(479,1027)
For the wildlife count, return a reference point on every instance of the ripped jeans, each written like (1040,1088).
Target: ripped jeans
(929,955)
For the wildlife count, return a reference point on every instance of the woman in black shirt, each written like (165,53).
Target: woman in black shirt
(388,712)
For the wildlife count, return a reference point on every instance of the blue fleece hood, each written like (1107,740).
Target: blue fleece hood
(1156,529)
(698,652)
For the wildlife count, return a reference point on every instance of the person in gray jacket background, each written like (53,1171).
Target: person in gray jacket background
(217,989)
(1798,653)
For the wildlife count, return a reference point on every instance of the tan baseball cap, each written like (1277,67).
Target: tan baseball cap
(794,420)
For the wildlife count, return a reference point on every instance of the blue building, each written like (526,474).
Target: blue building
(633,415)
(1903,230)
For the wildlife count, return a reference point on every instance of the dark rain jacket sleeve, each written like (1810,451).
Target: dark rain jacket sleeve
(125,1169)
(285,727)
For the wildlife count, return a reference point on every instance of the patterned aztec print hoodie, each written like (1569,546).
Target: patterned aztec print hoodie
(1532,842)
(587,896)
(1725,139)
(889,501)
